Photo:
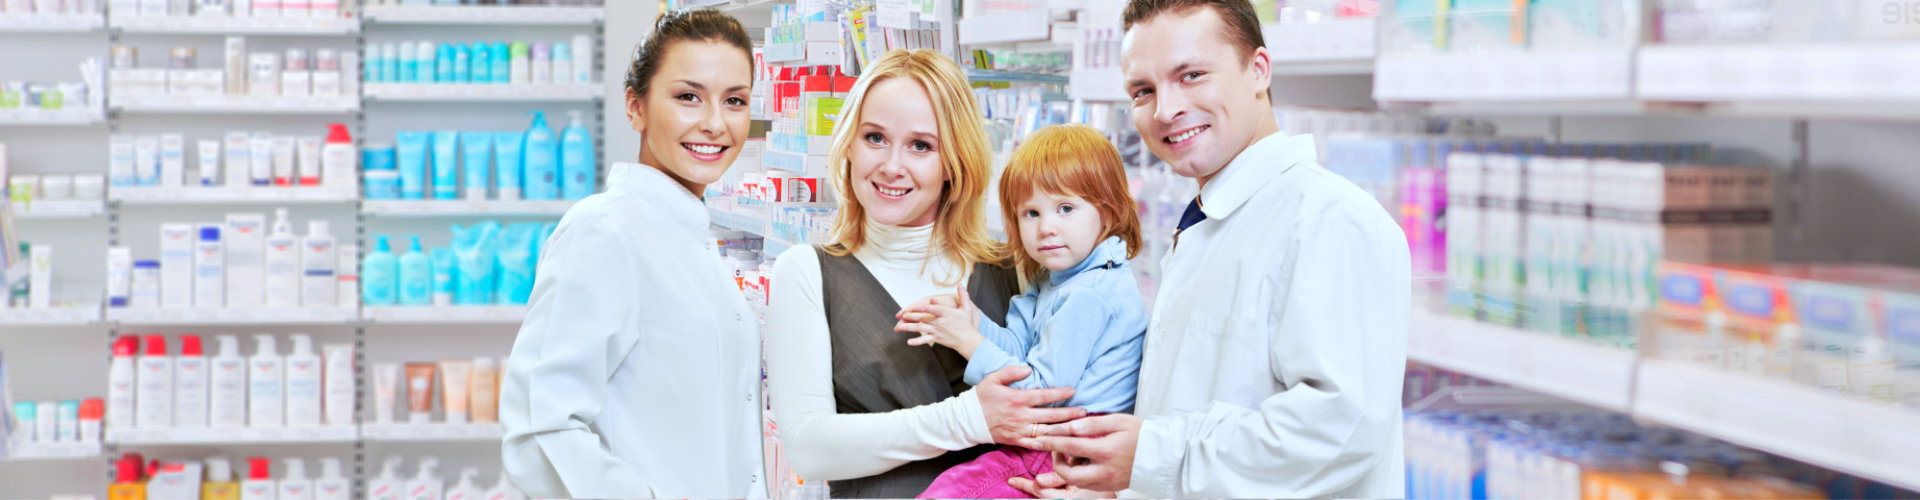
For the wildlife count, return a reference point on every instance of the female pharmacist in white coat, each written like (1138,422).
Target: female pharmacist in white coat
(636,374)
(856,406)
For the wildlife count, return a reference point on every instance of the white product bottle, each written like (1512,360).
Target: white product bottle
(388,486)
(464,489)
(259,484)
(121,384)
(582,59)
(227,390)
(346,275)
(1870,370)
(209,269)
(317,282)
(294,485)
(303,383)
(283,263)
(504,490)
(425,485)
(119,276)
(190,384)
(337,157)
(154,402)
(331,485)
(265,385)
(340,385)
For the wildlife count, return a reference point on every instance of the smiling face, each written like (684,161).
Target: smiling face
(694,117)
(1197,101)
(895,157)
(1059,231)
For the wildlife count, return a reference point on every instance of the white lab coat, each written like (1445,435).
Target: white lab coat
(637,371)
(1277,347)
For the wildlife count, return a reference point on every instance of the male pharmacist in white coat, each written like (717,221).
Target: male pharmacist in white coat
(1277,346)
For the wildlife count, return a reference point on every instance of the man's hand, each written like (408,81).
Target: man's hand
(1094,453)
(1012,414)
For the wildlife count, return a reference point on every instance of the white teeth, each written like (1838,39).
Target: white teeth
(893,192)
(705,150)
(1185,136)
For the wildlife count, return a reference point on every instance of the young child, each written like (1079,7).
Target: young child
(1071,226)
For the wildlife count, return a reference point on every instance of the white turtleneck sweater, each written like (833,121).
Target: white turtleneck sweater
(820,444)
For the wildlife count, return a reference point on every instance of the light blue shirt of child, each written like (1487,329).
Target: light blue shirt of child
(1083,328)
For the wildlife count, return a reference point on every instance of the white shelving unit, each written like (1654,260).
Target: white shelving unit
(432,432)
(1334,47)
(1869,440)
(59,209)
(249,105)
(417,208)
(1588,373)
(1597,75)
(1833,80)
(484,15)
(231,195)
(218,437)
(803,54)
(52,451)
(444,315)
(50,316)
(51,23)
(234,316)
(44,117)
(795,162)
(416,92)
(738,222)
(227,25)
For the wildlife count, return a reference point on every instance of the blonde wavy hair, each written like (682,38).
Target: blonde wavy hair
(960,223)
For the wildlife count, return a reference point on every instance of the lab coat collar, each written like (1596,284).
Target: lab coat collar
(1260,163)
(1112,252)
(653,187)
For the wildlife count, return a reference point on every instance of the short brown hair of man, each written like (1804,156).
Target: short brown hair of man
(1243,25)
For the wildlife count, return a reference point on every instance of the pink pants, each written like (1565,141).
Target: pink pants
(986,477)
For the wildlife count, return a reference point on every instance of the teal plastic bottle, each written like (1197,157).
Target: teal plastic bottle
(379,275)
(576,160)
(542,161)
(416,276)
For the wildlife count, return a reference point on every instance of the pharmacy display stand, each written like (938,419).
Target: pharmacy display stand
(130,217)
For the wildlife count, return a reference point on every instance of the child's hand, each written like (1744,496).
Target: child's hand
(937,323)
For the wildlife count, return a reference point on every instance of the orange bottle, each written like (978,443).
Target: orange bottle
(127,484)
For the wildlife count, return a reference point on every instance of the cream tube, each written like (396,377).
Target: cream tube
(386,381)
(456,373)
(419,393)
(482,394)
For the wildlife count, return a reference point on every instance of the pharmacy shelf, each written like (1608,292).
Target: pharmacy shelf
(431,432)
(738,222)
(224,104)
(42,117)
(1830,80)
(50,316)
(485,15)
(1869,440)
(1005,28)
(51,23)
(1588,373)
(218,437)
(800,54)
(246,195)
(475,92)
(1517,77)
(798,163)
(227,25)
(59,209)
(415,208)
(775,246)
(51,451)
(444,315)
(1335,47)
(983,75)
(234,316)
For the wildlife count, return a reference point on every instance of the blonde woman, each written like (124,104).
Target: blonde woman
(856,405)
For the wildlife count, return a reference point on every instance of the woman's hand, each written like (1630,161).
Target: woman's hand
(955,327)
(1016,414)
